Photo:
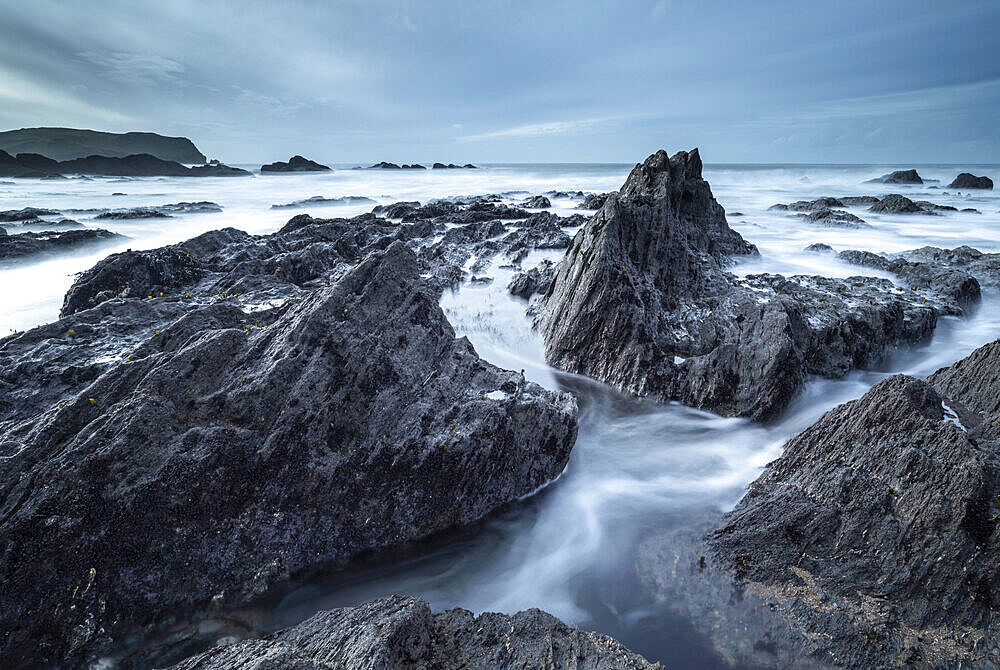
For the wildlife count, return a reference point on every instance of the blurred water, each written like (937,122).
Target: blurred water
(636,467)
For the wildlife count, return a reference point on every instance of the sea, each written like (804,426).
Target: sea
(638,468)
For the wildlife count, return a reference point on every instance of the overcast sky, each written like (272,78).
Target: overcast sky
(493,81)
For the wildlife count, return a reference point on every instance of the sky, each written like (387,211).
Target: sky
(844,81)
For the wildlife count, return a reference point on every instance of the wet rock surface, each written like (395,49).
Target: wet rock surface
(164,452)
(593,201)
(898,204)
(401,632)
(971,181)
(835,217)
(534,280)
(642,301)
(295,164)
(946,272)
(898,177)
(25,244)
(874,536)
(537,202)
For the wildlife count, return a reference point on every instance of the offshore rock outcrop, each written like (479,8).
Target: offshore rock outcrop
(402,632)
(898,177)
(875,535)
(319,200)
(295,164)
(136,165)
(946,272)
(242,445)
(971,181)
(68,143)
(643,302)
(23,245)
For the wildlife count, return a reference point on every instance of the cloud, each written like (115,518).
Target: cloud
(538,129)
(133,68)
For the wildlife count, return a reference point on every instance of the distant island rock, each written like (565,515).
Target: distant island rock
(898,177)
(68,143)
(966,180)
(295,164)
(22,245)
(417,166)
(31,165)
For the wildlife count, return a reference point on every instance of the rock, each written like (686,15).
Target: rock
(818,205)
(644,285)
(897,204)
(593,201)
(942,270)
(134,213)
(239,450)
(402,632)
(819,247)
(935,207)
(143,165)
(835,217)
(938,278)
(24,244)
(859,200)
(898,177)
(469,166)
(451,166)
(875,533)
(396,210)
(41,226)
(318,200)
(69,143)
(26,214)
(385,166)
(970,181)
(294,164)
(536,280)
(537,202)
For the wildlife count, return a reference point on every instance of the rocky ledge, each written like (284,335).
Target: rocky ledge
(294,164)
(875,536)
(400,632)
(211,420)
(643,301)
(23,245)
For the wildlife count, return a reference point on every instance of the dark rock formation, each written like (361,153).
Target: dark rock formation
(24,244)
(593,201)
(402,632)
(134,213)
(69,143)
(898,204)
(241,449)
(318,200)
(536,280)
(875,535)
(396,210)
(384,166)
(820,248)
(26,214)
(469,166)
(642,301)
(859,200)
(835,217)
(137,165)
(537,202)
(415,166)
(943,271)
(294,164)
(970,181)
(898,177)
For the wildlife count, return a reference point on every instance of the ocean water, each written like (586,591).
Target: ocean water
(637,468)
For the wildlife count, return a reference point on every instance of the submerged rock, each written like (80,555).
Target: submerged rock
(402,632)
(238,449)
(835,217)
(970,181)
(26,214)
(295,164)
(898,177)
(318,200)
(25,244)
(875,534)
(134,213)
(642,301)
